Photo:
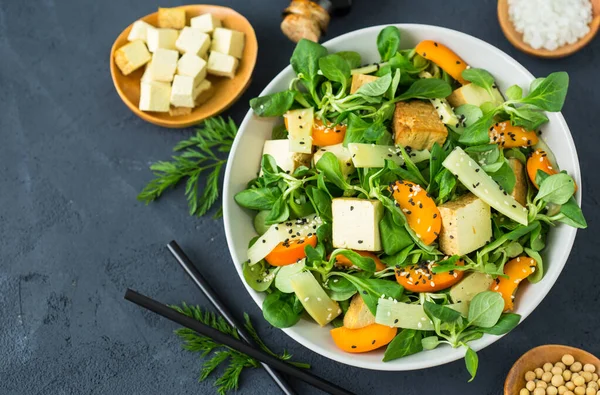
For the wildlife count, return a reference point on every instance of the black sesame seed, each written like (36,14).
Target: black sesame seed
(451,236)
(458,62)
(514,206)
(435,44)
(264,241)
(302,143)
(360,242)
(396,321)
(373,342)
(477,170)
(434,215)
(353,346)
(351,208)
(364,292)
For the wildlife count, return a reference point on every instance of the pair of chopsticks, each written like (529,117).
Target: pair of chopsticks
(272,365)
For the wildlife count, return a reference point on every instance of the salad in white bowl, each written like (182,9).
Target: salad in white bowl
(399,204)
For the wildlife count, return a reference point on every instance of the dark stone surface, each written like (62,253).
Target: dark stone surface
(73,236)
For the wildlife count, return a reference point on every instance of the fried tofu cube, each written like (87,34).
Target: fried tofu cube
(520,190)
(155,96)
(207,23)
(132,56)
(163,65)
(229,42)
(161,38)
(359,80)
(356,223)
(416,124)
(193,41)
(466,225)
(222,65)
(139,31)
(192,66)
(205,91)
(177,111)
(171,18)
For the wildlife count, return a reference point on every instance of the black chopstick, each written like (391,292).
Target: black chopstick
(211,295)
(218,336)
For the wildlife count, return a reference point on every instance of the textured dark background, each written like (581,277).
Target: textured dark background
(73,236)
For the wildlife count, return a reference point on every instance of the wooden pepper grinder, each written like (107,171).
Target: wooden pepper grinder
(309,19)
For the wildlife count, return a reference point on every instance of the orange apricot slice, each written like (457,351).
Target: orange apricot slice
(517,270)
(444,57)
(341,260)
(419,208)
(420,277)
(508,136)
(290,251)
(364,339)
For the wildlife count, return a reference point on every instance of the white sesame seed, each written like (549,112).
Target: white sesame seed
(306,299)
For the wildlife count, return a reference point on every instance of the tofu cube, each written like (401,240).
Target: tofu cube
(146,76)
(139,31)
(204,90)
(183,91)
(132,56)
(343,155)
(466,225)
(161,38)
(163,65)
(207,23)
(155,96)
(177,111)
(229,42)
(519,192)
(171,18)
(288,161)
(193,41)
(416,124)
(359,80)
(192,66)
(299,124)
(356,223)
(222,65)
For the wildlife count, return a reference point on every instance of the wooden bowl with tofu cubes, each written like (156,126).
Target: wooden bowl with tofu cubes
(244,164)
(179,66)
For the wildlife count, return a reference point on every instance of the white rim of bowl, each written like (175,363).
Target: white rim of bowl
(451,354)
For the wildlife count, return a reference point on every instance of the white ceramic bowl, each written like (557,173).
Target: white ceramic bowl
(245,158)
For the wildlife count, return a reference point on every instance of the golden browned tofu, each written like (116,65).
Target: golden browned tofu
(416,124)
(176,111)
(359,80)
(466,225)
(358,314)
(171,18)
(520,190)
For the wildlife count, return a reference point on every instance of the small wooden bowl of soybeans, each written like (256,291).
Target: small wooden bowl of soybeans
(554,369)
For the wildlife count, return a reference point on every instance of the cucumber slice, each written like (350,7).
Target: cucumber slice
(470,286)
(372,155)
(483,186)
(282,279)
(291,229)
(259,222)
(409,316)
(314,299)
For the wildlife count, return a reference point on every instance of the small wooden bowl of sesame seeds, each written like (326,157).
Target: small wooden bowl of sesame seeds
(554,369)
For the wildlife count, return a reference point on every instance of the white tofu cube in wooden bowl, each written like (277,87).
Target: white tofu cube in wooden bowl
(211,49)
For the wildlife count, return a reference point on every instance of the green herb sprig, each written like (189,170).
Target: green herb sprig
(219,354)
(198,154)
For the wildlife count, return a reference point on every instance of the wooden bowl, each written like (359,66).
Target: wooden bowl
(226,91)
(516,38)
(536,357)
